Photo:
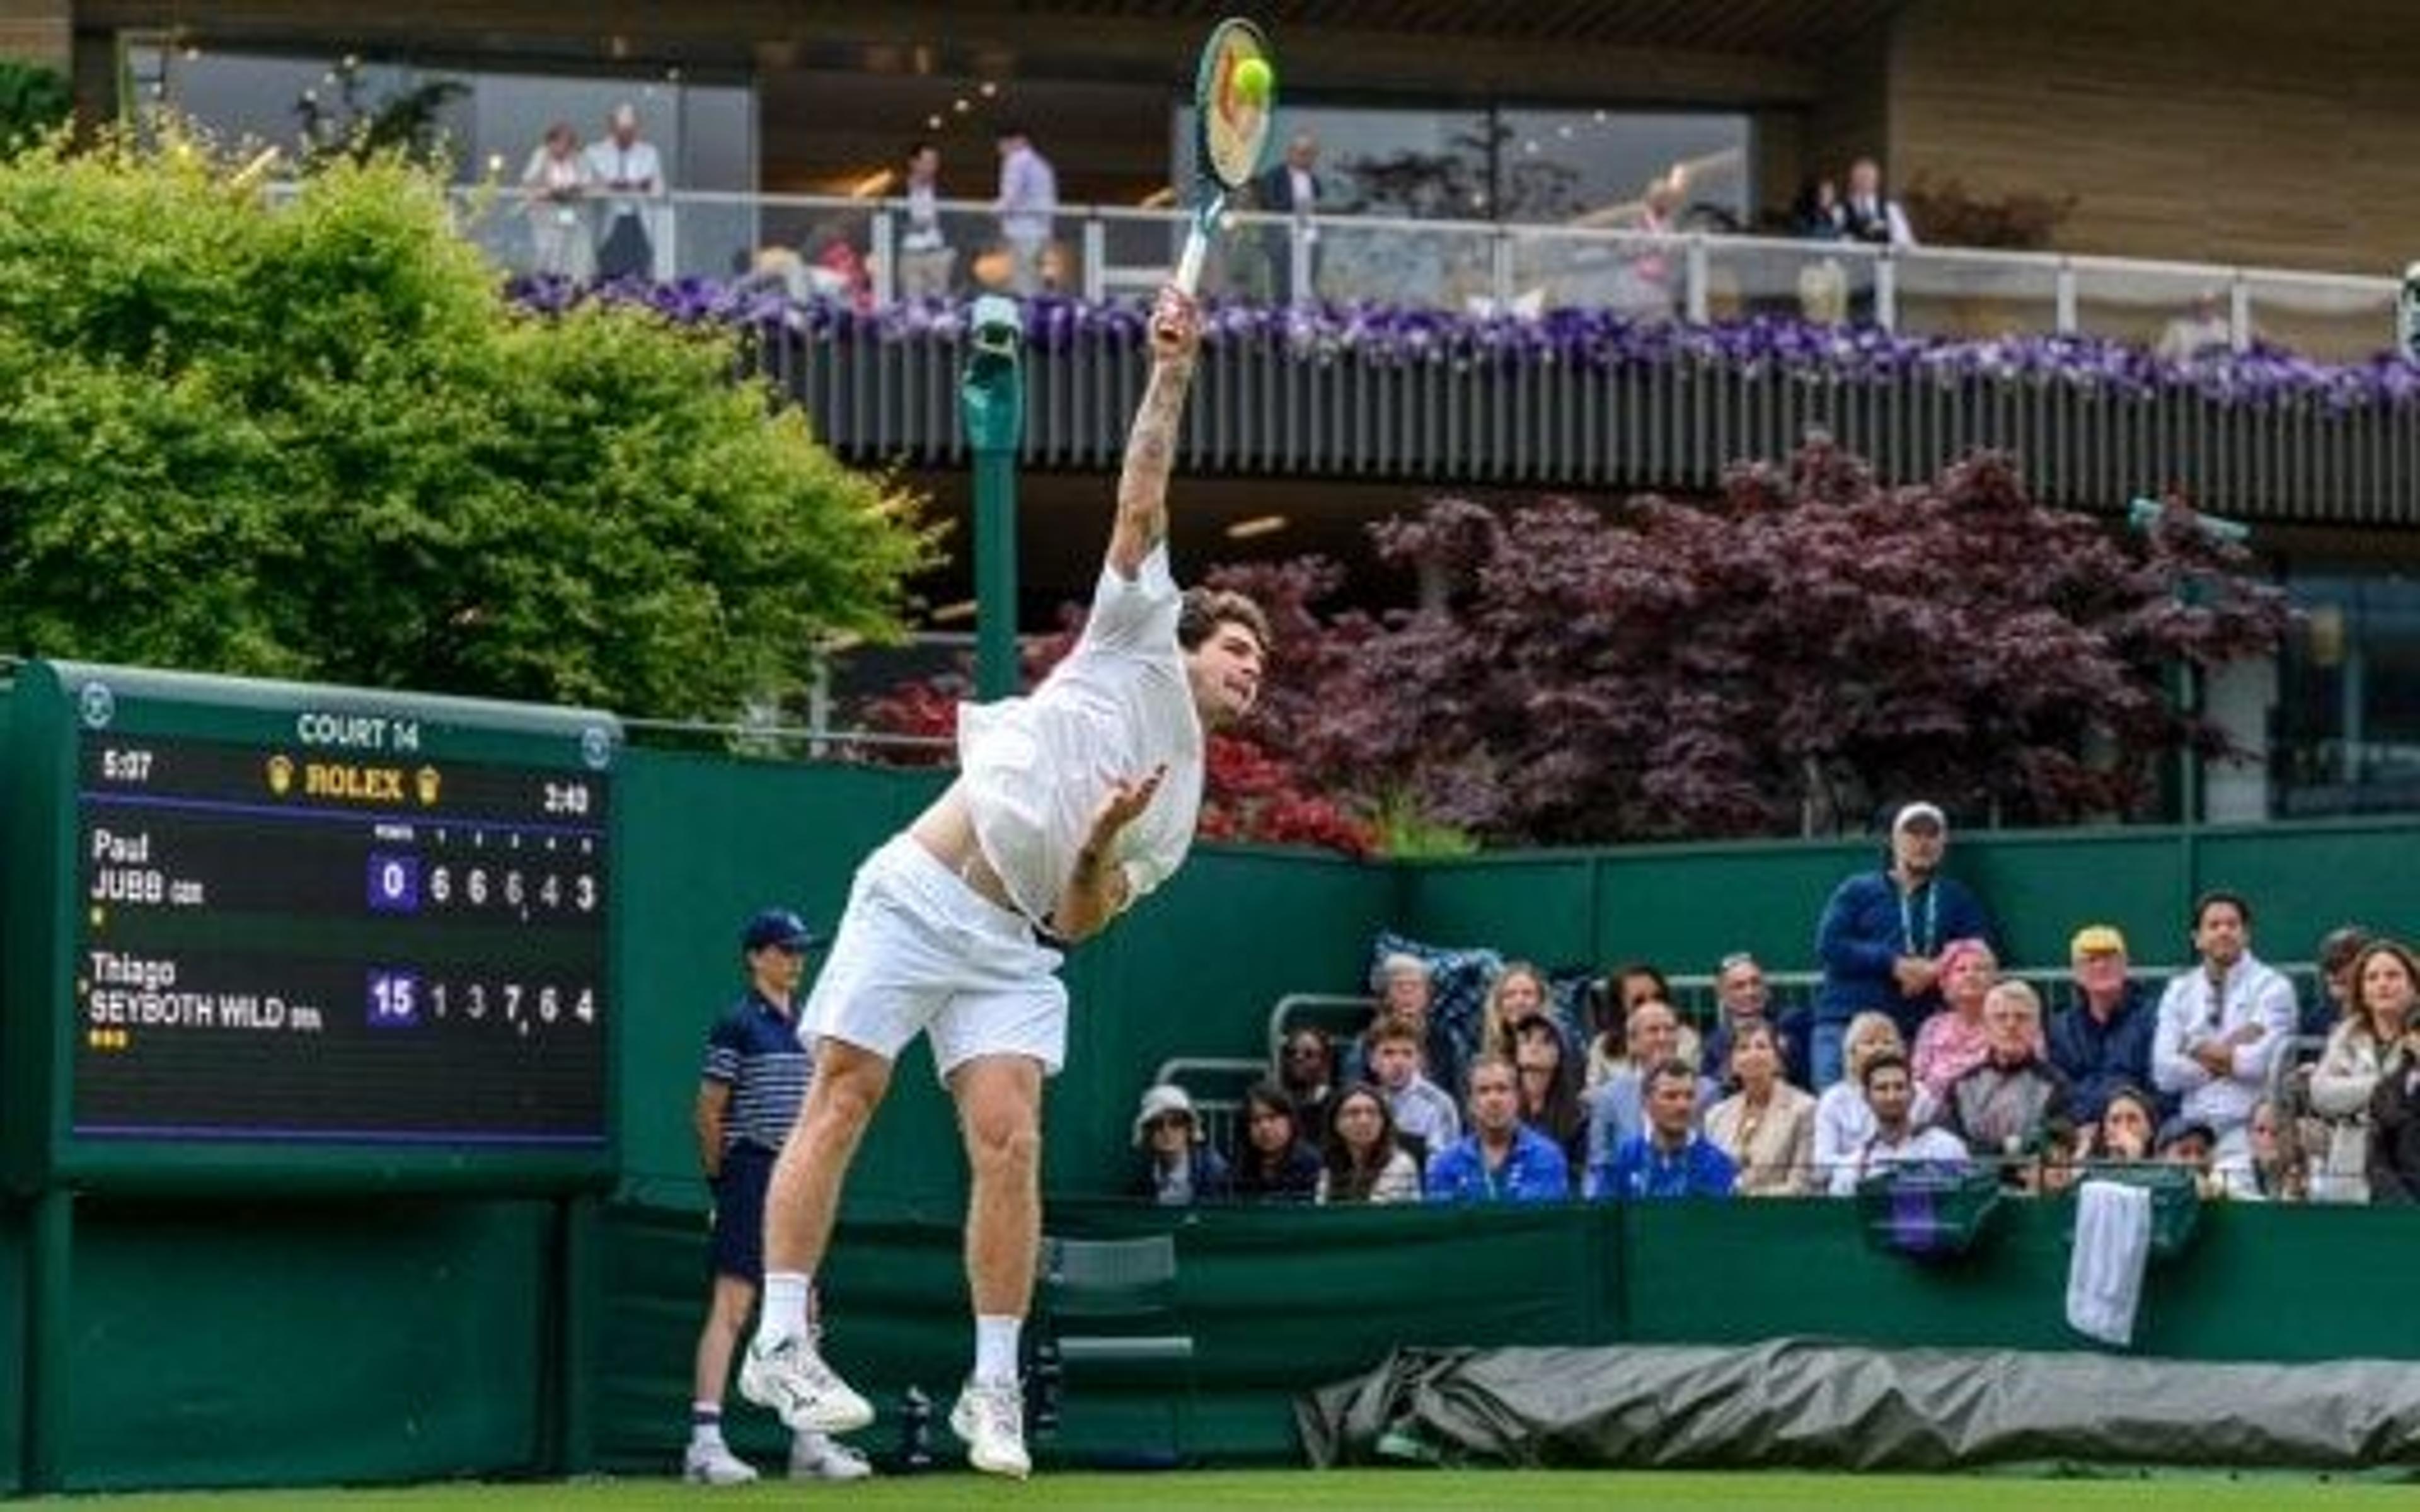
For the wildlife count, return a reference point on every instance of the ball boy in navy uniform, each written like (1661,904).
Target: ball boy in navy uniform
(755,1077)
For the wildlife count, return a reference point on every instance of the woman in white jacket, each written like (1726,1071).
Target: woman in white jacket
(2384,978)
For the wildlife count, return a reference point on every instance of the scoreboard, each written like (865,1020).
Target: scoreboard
(291,922)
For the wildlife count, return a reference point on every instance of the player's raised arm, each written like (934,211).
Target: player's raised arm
(1151,446)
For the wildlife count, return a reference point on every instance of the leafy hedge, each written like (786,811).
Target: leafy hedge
(313,440)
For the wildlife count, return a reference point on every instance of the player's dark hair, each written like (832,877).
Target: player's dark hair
(1207,609)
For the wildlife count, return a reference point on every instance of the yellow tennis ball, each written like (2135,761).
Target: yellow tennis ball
(1254,81)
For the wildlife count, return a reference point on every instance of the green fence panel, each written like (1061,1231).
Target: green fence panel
(13,1302)
(221,1345)
(1686,907)
(1284,1299)
(706,841)
(1194,971)
(1537,907)
(2304,879)
(2042,888)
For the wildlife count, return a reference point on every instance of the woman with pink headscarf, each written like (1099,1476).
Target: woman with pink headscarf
(1951,1042)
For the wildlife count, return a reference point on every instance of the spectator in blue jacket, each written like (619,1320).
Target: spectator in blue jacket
(1882,935)
(2103,1042)
(1501,1158)
(1673,1158)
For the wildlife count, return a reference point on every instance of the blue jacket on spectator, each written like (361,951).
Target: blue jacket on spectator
(1867,925)
(2097,1058)
(1533,1171)
(1617,1114)
(1643,1169)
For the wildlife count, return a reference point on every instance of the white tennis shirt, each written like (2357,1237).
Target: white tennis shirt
(1036,768)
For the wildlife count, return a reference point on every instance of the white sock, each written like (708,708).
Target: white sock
(786,1308)
(996,1349)
(706,1423)
(809,1445)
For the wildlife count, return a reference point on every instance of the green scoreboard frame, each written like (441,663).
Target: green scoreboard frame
(257,934)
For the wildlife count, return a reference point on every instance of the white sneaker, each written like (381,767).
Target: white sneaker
(812,1457)
(793,1381)
(713,1464)
(992,1419)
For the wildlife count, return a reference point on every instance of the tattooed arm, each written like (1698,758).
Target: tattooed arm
(1151,446)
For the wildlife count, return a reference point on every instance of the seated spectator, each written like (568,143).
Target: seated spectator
(2014,1105)
(2189,1142)
(1422,1113)
(2202,331)
(1629,985)
(2329,1005)
(1887,1087)
(1742,998)
(2103,1042)
(1273,1163)
(1672,1159)
(1617,1110)
(2275,1171)
(1952,1042)
(1407,990)
(2394,1123)
(1360,1160)
(1843,1121)
(2122,1135)
(1550,1091)
(1515,998)
(1501,1158)
(2383,977)
(2222,1025)
(1607,1052)
(1307,1071)
(1768,1126)
(1177,1169)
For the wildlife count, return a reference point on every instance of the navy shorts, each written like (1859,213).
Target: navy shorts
(739,1212)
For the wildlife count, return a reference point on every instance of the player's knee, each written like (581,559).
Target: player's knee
(1005,1140)
(847,1093)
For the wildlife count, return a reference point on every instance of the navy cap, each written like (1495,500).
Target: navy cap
(778,927)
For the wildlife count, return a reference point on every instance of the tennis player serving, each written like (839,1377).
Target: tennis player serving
(1069,806)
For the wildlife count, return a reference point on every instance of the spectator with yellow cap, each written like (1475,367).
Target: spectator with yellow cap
(2103,1042)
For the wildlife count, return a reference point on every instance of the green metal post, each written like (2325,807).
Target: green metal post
(50,1397)
(991,406)
(579,1272)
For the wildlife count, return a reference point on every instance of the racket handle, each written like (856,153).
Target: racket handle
(1188,265)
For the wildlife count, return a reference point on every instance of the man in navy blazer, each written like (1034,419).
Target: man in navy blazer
(1882,935)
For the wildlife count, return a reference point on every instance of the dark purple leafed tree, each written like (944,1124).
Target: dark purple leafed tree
(1775,662)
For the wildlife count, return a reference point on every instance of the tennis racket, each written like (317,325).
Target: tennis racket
(1230,131)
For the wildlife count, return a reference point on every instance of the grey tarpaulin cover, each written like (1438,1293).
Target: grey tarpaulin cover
(1804,1403)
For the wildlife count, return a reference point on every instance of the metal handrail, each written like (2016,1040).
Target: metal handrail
(2028,292)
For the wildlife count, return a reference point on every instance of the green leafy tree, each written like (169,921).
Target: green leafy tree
(313,440)
(34,102)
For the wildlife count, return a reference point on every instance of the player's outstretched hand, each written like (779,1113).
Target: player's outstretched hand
(1124,804)
(1175,325)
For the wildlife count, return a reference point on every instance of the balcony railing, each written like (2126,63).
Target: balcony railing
(1267,403)
(1102,252)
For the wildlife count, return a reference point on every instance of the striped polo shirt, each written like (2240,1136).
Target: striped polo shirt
(754,1050)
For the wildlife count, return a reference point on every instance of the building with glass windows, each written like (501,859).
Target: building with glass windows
(2233,162)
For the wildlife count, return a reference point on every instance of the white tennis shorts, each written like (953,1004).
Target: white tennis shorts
(919,950)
